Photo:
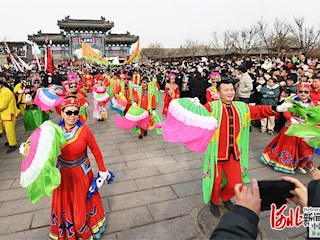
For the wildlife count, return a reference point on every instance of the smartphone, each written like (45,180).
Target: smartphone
(274,191)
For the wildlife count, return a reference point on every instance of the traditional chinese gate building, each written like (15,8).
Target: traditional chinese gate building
(97,33)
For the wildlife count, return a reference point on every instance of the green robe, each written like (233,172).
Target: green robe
(210,159)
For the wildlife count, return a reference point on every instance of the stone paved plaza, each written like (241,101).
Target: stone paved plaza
(156,195)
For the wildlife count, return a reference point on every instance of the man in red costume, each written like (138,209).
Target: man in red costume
(231,128)
(145,100)
(127,89)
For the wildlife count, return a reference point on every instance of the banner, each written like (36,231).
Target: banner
(49,60)
(90,55)
(136,55)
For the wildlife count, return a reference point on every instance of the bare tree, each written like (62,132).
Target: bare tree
(275,38)
(226,41)
(192,47)
(305,38)
(154,50)
(245,40)
(206,49)
(222,41)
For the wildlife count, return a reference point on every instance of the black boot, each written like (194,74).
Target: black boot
(215,210)
(145,133)
(228,205)
(140,137)
(6,144)
(11,149)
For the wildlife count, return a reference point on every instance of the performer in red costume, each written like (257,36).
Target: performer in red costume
(74,91)
(73,216)
(289,153)
(172,92)
(212,93)
(145,99)
(232,140)
(127,90)
(88,81)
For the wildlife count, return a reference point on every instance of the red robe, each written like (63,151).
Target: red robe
(256,113)
(211,95)
(315,96)
(172,92)
(144,102)
(227,162)
(288,153)
(128,94)
(72,215)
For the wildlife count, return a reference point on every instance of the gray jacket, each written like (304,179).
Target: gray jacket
(245,85)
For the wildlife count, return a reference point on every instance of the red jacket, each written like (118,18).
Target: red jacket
(256,112)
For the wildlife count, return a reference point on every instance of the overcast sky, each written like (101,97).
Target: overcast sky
(169,22)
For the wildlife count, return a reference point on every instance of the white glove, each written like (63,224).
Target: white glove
(294,121)
(154,113)
(307,139)
(21,148)
(284,107)
(20,91)
(105,175)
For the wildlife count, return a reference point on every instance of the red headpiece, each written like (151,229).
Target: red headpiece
(304,85)
(70,102)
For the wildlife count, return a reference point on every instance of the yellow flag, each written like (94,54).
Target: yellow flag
(136,55)
(89,54)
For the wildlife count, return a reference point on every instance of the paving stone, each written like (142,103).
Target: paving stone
(196,173)
(41,218)
(136,173)
(150,162)
(187,188)
(128,150)
(129,218)
(6,184)
(117,188)
(33,234)
(23,205)
(150,142)
(7,227)
(175,208)
(110,153)
(127,157)
(187,156)
(193,164)
(14,160)
(178,228)
(117,167)
(169,168)
(10,168)
(153,147)
(16,183)
(156,153)
(141,198)
(106,236)
(105,203)
(167,145)
(163,180)
(176,150)
(13,194)
(264,173)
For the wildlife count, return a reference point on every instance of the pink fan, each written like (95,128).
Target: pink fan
(190,123)
(135,117)
(49,98)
